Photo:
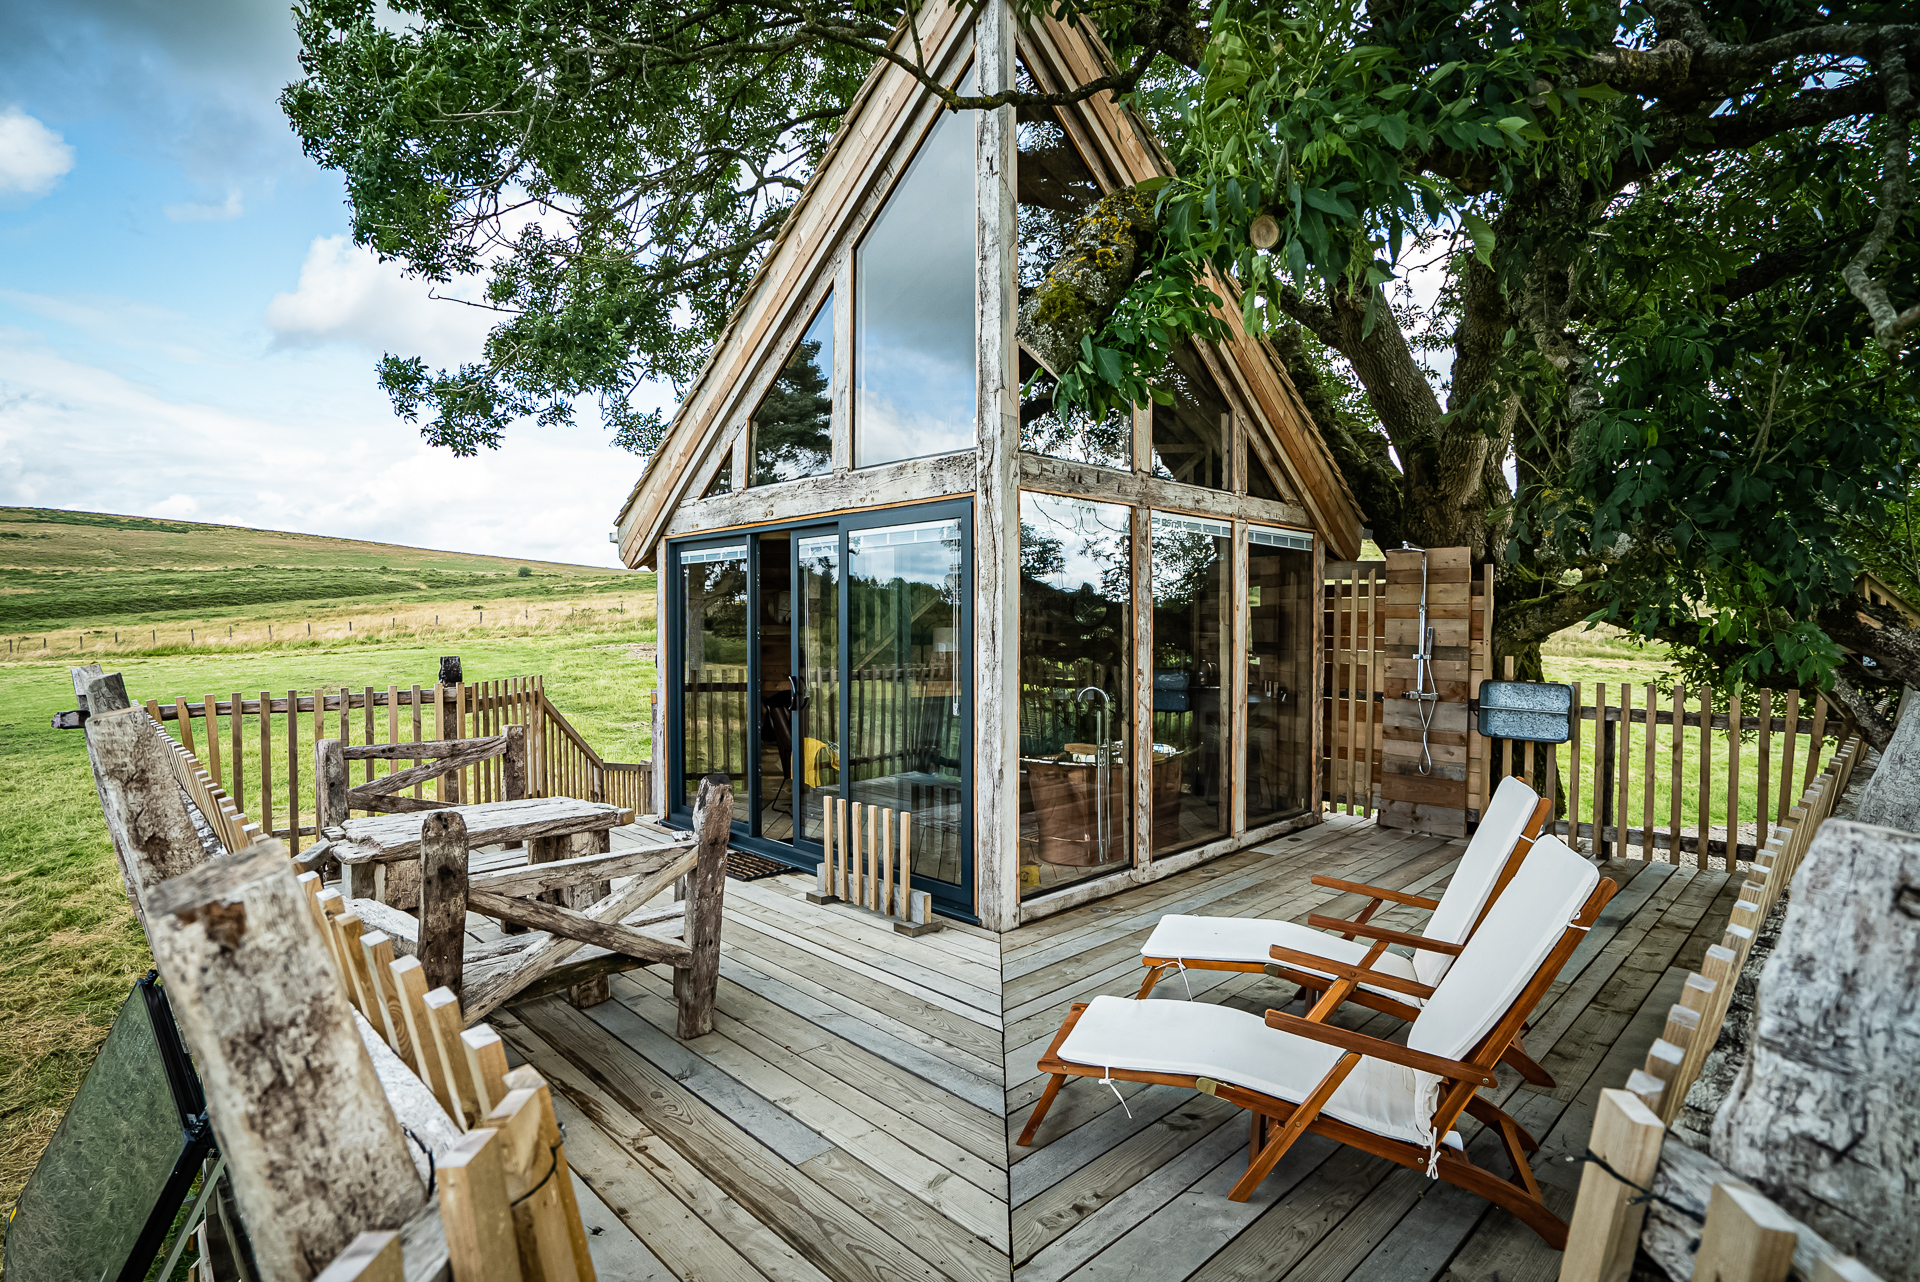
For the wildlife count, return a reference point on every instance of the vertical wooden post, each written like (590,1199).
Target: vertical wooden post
(264,816)
(1734,718)
(211,709)
(1787,748)
(475,1212)
(514,764)
(1602,772)
(304,1125)
(329,785)
(1623,770)
(996,508)
(695,986)
(1763,791)
(1705,798)
(443,898)
(239,789)
(1605,1229)
(293,773)
(1677,749)
(1577,728)
(1746,1238)
(146,814)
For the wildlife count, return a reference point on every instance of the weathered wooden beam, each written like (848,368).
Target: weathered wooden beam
(696,981)
(399,779)
(629,861)
(443,899)
(330,788)
(306,1130)
(426,750)
(154,837)
(566,922)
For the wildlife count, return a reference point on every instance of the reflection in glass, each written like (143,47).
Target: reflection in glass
(1055,189)
(713,585)
(1076,575)
(793,428)
(913,324)
(774,640)
(1192,639)
(1280,601)
(817,719)
(906,663)
(722,482)
(1189,436)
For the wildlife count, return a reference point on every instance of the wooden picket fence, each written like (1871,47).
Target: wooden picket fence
(1625,779)
(249,742)
(1745,1237)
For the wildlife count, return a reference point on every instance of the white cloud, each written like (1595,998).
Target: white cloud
(75,435)
(228,209)
(347,295)
(32,157)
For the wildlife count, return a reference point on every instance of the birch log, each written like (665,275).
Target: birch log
(1825,1116)
(296,1105)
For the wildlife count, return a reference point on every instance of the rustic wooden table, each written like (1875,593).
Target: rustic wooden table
(379,839)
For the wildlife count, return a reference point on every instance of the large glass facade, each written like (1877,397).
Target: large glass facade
(913,361)
(1192,648)
(793,428)
(1190,435)
(713,669)
(1076,666)
(906,668)
(1280,673)
(1055,189)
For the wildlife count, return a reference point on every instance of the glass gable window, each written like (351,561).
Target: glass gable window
(1280,602)
(1055,189)
(907,668)
(1260,482)
(713,585)
(1076,664)
(913,354)
(1192,646)
(793,428)
(1190,436)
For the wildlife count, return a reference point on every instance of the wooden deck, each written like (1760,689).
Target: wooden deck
(851,1116)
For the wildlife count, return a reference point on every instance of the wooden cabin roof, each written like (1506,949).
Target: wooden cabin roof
(876,141)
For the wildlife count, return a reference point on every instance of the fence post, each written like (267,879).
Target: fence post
(153,835)
(280,1056)
(695,986)
(1602,847)
(1605,1229)
(1746,1238)
(329,785)
(514,765)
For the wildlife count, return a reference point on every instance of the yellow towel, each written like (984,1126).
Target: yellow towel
(819,760)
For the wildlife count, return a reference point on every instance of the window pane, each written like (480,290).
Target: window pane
(904,701)
(1280,601)
(722,482)
(913,325)
(793,428)
(1055,189)
(1260,482)
(817,719)
(714,677)
(1076,576)
(1189,439)
(1192,642)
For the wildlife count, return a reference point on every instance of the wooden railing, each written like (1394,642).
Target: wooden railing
(258,751)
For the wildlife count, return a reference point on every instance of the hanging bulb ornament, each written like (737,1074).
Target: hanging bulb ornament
(1265,232)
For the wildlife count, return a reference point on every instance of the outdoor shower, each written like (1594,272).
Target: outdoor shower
(1425,690)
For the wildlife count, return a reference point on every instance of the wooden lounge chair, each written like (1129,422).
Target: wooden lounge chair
(1513,820)
(1398,1102)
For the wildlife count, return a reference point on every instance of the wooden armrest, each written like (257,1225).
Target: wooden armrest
(1342,970)
(1348,1040)
(1370,931)
(1375,892)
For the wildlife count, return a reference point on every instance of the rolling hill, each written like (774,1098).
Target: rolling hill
(63,569)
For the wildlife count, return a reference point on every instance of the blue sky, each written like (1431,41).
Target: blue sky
(185,329)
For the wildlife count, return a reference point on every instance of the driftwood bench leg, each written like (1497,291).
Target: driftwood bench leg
(443,899)
(695,986)
(588,992)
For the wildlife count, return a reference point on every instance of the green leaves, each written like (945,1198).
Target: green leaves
(1481,232)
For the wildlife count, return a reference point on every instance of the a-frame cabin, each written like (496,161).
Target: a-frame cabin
(1082,655)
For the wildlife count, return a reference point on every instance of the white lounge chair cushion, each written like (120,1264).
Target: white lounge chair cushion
(1201,1039)
(1507,951)
(1246,939)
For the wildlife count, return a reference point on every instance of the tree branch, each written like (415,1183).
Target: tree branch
(1896,198)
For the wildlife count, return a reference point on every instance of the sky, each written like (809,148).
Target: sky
(187,330)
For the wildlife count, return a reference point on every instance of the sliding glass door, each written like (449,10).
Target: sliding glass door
(829,661)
